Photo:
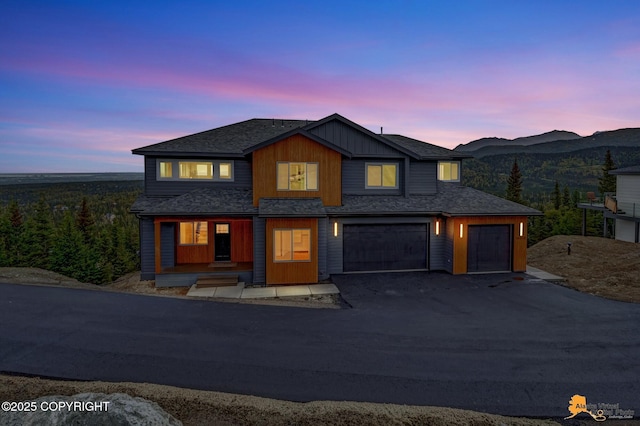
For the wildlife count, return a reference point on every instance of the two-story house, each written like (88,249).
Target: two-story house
(293,201)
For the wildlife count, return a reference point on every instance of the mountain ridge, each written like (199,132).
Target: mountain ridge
(551,136)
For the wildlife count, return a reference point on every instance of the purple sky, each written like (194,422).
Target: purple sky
(84,82)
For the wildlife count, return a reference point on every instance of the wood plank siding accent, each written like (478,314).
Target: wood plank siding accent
(460,245)
(291,272)
(241,241)
(298,148)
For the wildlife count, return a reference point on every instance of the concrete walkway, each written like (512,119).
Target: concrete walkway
(543,275)
(240,292)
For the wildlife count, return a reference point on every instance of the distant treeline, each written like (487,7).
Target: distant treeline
(82,229)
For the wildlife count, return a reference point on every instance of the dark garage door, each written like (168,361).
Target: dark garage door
(489,248)
(384,247)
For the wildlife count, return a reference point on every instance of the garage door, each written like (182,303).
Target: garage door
(489,248)
(384,247)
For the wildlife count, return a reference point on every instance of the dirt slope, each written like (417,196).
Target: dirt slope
(600,266)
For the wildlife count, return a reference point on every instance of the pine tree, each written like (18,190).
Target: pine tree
(557,201)
(607,183)
(38,234)
(85,222)
(68,250)
(566,197)
(514,183)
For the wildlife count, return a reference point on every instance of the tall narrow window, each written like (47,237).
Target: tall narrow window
(297,176)
(382,176)
(193,233)
(291,245)
(166,169)
(449,171)
(224,170)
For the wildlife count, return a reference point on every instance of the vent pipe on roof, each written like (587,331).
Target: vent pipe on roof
(273,122)
(381,129)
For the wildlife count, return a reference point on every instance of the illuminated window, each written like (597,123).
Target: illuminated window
(193,233)
(297,176)
(196,170)
(382,175)
(224,170)
(291,245)
(166,169)
(449,171)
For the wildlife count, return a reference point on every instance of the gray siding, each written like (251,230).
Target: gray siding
(448,249)
(354,178)
(626,230)
(323,226)
(259,253)
(423,177)
(168,244)
(437,248)
(628,194)
(241,179)
(147,250)
(353,140)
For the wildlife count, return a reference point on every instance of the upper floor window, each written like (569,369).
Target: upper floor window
(382,175)
(449,171)
(195,169)
(193,233)
(297,176)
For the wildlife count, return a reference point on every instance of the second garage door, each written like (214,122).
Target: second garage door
(384,247)
(489,248)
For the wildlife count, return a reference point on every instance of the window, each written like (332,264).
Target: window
(297,176)
(184,170)
(166,169)
(382,175)
(196,170)
(193,233)
(224,170)
(292,245)
(449,171)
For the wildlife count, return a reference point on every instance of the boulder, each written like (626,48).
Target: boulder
(116,409)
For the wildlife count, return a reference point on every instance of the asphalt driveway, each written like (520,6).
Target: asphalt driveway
(504,343)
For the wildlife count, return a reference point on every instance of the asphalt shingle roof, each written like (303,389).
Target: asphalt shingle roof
(204,201)
(425,150)
(226,140)
(451,199)
(298,207)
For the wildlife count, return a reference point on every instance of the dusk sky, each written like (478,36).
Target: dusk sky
(82,83)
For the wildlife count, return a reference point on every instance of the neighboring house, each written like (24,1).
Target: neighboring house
(291,201)
(623,206)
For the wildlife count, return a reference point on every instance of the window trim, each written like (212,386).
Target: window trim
(449,162)
(175,167)
(292,260)
(306,163)
(381,164)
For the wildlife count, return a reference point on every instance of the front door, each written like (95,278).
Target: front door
(222,242)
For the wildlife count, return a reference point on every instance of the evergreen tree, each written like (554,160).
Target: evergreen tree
(557,201)
(11,228)
(38,234)
(514,183)
(566,197)
(607,183)
(85,221)
(68,250)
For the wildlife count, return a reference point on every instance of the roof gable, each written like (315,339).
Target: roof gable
(298,131)
(426,151)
